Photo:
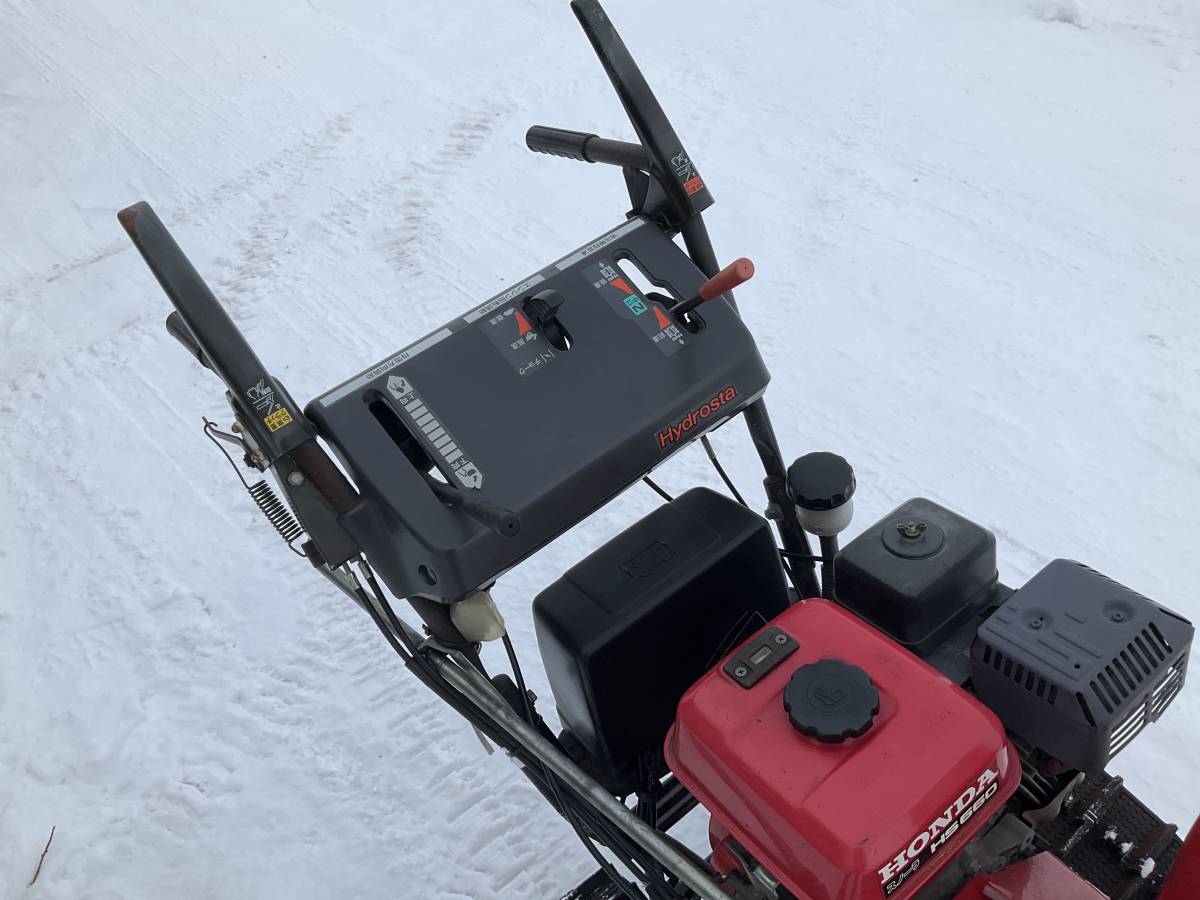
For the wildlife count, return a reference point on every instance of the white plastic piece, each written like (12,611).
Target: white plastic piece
(826,522)
(477,618)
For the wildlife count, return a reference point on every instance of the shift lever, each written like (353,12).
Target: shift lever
(737,272)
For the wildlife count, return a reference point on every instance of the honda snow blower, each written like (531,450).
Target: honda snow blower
(902,726)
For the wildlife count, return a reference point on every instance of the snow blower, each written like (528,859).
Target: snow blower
(879,719)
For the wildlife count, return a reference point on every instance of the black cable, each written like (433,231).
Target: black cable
(804,557)
(654,487)
(626,888)
(829,549)
(712,457)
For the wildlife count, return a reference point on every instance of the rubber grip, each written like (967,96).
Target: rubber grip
(737,272)
(558,142)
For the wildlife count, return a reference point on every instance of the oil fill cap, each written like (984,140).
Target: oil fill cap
(831,700)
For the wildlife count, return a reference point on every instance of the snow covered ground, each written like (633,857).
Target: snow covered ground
(975,228)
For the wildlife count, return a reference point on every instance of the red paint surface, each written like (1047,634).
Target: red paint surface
(824,818)
(1041,877)
(1184,881)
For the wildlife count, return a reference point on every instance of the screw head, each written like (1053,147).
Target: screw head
(741,671)
(911,529)
(781,639)
(295,478)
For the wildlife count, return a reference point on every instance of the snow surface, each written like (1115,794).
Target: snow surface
(975,229)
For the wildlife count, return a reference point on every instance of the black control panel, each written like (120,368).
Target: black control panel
(546,401)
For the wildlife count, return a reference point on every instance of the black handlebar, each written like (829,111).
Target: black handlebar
(201,324)
(586,147)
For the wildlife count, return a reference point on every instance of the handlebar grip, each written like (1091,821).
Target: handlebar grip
(558,142)
(587,147)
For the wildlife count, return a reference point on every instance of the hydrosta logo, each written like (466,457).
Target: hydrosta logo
(676,432)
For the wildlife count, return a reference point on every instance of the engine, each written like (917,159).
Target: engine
(837,759)
(928,726)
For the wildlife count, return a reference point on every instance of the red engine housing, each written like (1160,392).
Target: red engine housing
(871,816)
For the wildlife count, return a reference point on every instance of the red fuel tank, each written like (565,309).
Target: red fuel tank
(841,762)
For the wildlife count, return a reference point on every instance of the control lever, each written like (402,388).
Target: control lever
(737,272)
(504,522)
(543,308)
(178,329)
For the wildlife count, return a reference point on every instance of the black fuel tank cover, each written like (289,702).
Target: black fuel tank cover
(831,700)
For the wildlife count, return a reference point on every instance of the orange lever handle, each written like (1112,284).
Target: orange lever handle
(737,272)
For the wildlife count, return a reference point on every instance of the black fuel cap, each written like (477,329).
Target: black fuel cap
(831,700)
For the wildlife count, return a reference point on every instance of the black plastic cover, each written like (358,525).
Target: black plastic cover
(1077,664)
(504,413)
(918,573)
(626,631)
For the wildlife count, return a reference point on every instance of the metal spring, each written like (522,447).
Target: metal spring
(276,511)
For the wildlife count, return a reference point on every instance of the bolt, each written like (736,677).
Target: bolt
(295,478)
(258,456)
(741,672)
(781,638)
(911,530)
(236,427)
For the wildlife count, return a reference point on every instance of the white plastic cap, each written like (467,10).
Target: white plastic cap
(477,618)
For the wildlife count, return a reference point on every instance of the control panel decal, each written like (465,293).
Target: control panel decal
(436,439)
(387,365)
(503,297)
(649,315)
(598,244)
(519,342)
